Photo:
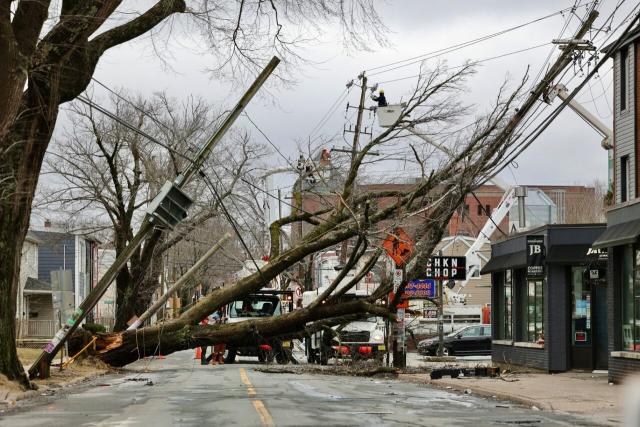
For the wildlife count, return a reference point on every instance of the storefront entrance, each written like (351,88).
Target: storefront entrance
(588,317)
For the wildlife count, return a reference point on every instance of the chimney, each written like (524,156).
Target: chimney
(47,223)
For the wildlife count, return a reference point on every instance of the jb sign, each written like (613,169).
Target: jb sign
(535,256)
(447,267)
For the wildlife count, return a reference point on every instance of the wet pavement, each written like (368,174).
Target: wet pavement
(178,391)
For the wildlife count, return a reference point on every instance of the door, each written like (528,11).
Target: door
(469,341)
(581,325)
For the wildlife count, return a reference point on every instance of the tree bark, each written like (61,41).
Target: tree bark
(165,338)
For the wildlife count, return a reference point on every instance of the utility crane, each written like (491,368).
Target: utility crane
(561,92)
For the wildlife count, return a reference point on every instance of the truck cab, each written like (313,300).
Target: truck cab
(266,303)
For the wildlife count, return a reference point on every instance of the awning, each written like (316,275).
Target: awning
(619,234)
(567,254)
(505,262)
(34,285)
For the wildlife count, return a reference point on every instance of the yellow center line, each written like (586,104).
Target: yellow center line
(245,379)
(265,416)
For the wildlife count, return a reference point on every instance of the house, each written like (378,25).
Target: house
(49,249)
(620,238)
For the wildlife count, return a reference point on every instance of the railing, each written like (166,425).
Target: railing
(35,328)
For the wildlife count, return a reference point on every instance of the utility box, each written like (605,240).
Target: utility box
(170,206)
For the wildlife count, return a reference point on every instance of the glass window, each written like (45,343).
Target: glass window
(505,329)
(255,307)
(534,312)
(486,331)
(472,332)
(631,299)
(624,66)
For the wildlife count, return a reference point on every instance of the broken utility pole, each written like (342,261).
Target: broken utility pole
(148,225)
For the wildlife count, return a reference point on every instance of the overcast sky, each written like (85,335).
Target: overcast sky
(568,152)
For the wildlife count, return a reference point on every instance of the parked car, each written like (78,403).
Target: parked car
(470,340)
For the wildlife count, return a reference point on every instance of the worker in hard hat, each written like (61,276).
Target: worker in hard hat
(382,101)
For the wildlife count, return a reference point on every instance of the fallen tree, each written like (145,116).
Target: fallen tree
(433,200)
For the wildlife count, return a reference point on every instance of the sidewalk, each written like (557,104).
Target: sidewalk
(579,393)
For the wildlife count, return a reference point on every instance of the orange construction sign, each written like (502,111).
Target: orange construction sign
(399,246)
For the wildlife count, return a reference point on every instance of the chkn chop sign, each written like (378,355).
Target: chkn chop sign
(447,268)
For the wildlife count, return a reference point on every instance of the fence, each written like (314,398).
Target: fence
(107,322)
(35,328)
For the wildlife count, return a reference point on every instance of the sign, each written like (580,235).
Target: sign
(580,336)
(397,279)
(597,254)
(401,304)
(447,267)
(535,256)
(399,246)
(420,289)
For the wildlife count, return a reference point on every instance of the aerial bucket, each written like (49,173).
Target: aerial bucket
(388,115)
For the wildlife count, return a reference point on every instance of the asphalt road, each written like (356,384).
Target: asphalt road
(178,391)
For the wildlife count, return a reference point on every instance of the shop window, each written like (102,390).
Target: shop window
(631,299)
(531,310)
(580,307)
(505,301)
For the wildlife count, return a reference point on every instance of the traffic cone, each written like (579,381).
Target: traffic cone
(198,353)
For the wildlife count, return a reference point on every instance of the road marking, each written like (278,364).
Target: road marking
(265,416)
(245,379)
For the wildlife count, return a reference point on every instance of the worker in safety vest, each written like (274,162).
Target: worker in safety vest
(382,101)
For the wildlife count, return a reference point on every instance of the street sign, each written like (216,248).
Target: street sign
(535,256)
(447,267)
(399,246)
(420,289)
(397,279)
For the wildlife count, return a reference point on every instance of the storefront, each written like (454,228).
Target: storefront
(621,241)
(549,299)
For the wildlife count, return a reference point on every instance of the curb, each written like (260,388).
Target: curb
(479,391)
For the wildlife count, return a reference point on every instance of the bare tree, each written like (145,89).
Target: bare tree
(103,170)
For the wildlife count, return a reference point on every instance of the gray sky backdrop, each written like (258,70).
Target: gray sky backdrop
(568,152)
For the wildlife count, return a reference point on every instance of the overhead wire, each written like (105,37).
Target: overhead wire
(452,48)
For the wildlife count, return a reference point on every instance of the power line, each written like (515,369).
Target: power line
(475,62)
(449,49)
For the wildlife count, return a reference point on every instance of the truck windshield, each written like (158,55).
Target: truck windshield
(255,307)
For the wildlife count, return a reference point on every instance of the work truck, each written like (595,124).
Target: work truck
(262,304)
(364,338)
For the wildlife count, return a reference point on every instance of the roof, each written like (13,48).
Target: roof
(36,285)
(633,35)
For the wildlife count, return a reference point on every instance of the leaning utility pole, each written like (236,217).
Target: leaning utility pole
(168,202)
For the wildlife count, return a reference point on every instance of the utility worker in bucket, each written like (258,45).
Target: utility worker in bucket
(382,101)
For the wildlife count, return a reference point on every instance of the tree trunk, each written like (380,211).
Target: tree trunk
(10,249)
(120,349)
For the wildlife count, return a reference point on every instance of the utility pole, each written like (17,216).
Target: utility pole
(149,225)
(354,148)
(440,314)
